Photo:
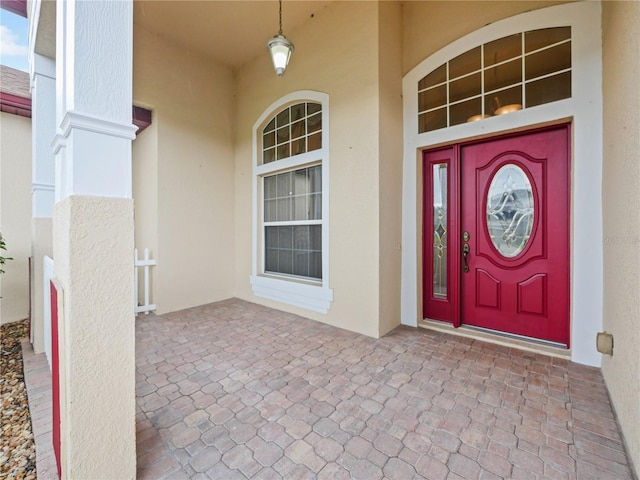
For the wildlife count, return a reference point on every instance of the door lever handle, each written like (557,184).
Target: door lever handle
(465,253)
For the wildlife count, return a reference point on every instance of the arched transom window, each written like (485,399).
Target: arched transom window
(296,129)
(508,74)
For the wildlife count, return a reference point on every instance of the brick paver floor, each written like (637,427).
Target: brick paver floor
(236,390)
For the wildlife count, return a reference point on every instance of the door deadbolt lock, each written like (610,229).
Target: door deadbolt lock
(466,236)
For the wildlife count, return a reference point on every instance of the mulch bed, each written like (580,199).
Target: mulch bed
(17,447)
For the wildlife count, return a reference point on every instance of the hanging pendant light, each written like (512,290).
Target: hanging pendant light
(280,48)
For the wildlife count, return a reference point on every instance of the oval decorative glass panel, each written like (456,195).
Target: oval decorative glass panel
(510,210)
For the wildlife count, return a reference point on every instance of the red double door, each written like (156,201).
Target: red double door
(496,234)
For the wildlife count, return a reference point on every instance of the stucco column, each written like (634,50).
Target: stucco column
(93,237)
(43,107)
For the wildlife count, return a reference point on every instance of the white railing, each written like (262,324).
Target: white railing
(145,263)
(47,275)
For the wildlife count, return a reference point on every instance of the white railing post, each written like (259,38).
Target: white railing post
(135,281)
(146,263)
(146,277)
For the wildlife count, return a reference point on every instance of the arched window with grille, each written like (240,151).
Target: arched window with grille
(290,257)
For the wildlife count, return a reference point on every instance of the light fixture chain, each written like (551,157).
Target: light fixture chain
(280,48)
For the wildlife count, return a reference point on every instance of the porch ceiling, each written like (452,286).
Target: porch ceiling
(229,32)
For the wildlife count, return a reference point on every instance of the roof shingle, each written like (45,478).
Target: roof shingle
(14,82)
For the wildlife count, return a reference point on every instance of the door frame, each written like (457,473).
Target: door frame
(583,110)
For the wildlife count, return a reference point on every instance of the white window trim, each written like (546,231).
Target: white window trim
(584,108)
(307,294)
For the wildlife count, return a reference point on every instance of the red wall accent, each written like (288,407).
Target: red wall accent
(55,376)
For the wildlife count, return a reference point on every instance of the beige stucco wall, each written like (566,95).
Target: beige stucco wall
(621,198)
(92,245)
(343,65)
(390,177)
(431,25)
(15,215)
(192,148)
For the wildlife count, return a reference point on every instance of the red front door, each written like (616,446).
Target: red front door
(515,241)
(496,234)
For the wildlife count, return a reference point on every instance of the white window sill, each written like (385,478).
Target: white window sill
(310,297)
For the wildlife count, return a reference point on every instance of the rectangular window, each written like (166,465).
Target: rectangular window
(440,223)
(292,219)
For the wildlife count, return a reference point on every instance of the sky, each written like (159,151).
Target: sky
(13,41)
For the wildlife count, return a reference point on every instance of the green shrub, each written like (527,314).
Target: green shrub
(3,260)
